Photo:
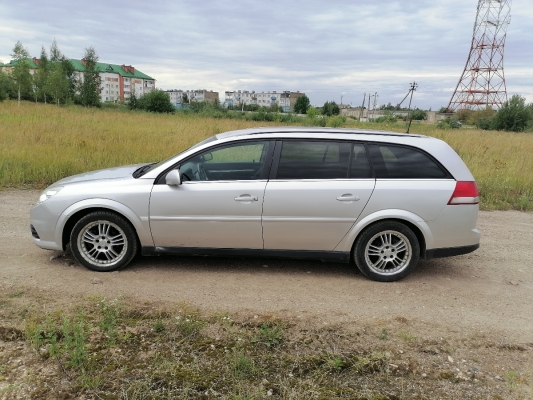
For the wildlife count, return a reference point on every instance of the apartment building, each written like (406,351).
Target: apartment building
(177,96)
(33,64)
(117,82)
(285,99)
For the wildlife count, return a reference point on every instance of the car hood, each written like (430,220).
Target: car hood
(101,174)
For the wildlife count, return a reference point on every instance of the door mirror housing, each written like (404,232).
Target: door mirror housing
(173,178)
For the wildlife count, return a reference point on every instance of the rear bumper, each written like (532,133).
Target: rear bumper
(450,251)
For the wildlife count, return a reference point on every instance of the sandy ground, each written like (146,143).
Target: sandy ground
(488,291)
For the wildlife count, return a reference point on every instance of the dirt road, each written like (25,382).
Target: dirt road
(486,291)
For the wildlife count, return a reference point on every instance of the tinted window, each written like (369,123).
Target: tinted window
(396,162)
(314,160)
(359,167)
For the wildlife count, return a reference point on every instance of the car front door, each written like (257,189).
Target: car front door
(218,204)
(317,191)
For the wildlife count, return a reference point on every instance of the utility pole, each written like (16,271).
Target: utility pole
(368,108)
(375,102)
(362,107)
(412,89)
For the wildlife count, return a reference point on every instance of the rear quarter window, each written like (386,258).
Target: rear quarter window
(398,162)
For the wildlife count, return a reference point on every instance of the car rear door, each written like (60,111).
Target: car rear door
(317,190)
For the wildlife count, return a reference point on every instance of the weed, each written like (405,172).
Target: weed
(159,326)
(407,337)
(243,366)
(269,335)
(74,344)
(384,334)
(514,378)
(17,293)
(189,325)
(110,314)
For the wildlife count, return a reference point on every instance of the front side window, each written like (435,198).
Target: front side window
(314,160)
(397,162)
(239,161)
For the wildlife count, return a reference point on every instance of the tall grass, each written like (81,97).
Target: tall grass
(40,144)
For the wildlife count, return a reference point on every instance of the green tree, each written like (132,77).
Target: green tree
(7,86)
(57,83)
(90,86)
(156,101)
(443,110)
(41,76)
(418,114)
(514,115)
(330,109)
(302,105)
(184,98)
(21,71)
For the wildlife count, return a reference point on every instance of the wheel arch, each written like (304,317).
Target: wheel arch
(74,213)
(416,230)
(412,221)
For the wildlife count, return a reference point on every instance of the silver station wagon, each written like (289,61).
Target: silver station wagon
(379,199)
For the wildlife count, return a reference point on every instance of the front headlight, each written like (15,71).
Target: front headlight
(50,192)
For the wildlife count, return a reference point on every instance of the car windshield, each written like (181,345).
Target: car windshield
(149,167)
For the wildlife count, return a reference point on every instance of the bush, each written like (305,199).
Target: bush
(514,115)
(418,115)
(155,101)
(449,123)
(336,122)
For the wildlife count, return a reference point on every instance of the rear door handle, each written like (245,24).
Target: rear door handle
(246,197)
(348,197)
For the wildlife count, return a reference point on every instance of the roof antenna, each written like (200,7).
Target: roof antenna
(412,89)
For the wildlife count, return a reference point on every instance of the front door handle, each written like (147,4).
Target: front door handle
(246,197)
(348,197)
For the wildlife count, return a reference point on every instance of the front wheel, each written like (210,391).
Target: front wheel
(386,251)
(103,241)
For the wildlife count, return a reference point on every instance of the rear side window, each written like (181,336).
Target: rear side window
(396,162)
(314,160)
(360,168)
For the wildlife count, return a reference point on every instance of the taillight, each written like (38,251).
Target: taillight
(464,193)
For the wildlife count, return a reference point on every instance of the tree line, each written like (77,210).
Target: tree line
(54,81)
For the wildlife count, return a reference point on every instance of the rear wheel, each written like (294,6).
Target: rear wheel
(103,241)
(386,251)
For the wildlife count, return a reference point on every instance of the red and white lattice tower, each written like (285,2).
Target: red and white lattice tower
(483,82)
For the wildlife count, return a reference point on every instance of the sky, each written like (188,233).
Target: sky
(333,51)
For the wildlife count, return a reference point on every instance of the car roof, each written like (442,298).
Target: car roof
(316,131)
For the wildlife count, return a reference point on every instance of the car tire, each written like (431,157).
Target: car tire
(386,251)
(103,241)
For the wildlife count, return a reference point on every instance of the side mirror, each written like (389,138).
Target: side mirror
(173,178)
(207,156)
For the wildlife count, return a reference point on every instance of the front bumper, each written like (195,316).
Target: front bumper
(44,224)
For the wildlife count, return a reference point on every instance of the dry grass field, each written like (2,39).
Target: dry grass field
(40,144)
